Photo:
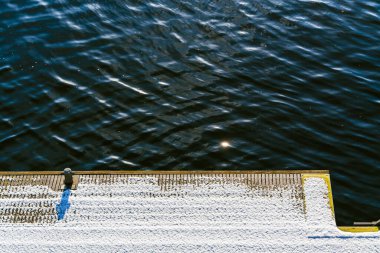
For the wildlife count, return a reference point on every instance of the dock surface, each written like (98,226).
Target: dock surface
(174,211)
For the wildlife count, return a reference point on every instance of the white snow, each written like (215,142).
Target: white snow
(137,215)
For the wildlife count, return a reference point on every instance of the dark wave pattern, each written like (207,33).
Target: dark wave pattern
(160,84)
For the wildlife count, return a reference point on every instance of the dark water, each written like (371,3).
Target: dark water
(289,84)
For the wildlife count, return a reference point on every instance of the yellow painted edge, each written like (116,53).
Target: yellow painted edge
(352,229)
(359,229)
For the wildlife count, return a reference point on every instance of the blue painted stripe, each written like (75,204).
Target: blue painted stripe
(64,205)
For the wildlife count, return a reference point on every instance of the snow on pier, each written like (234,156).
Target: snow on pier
(173,212)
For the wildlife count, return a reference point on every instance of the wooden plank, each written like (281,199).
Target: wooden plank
(11,182)
(6,182)
(291,181)
(59,183)
(55,183)
(2,186)
(89,179)
(108,179)
(61,180)
(44,179)
(74,185)
(48,180)
(33,179)
(112,181)
(84,178)
(298,178)
(28,180)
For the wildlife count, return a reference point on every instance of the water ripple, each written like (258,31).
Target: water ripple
(195,85)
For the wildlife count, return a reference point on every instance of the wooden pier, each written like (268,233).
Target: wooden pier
(16,187)
(142,210)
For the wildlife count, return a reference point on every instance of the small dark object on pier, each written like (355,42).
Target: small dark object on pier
(68,177)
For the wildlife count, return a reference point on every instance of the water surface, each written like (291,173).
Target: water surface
(161,84)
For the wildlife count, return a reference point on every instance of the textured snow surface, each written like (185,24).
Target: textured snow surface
(137,215)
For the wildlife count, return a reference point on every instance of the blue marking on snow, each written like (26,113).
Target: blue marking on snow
(64,205)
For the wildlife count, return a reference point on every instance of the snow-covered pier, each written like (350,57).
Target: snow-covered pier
(175,211)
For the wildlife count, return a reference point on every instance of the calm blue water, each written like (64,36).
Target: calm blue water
(289,84)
